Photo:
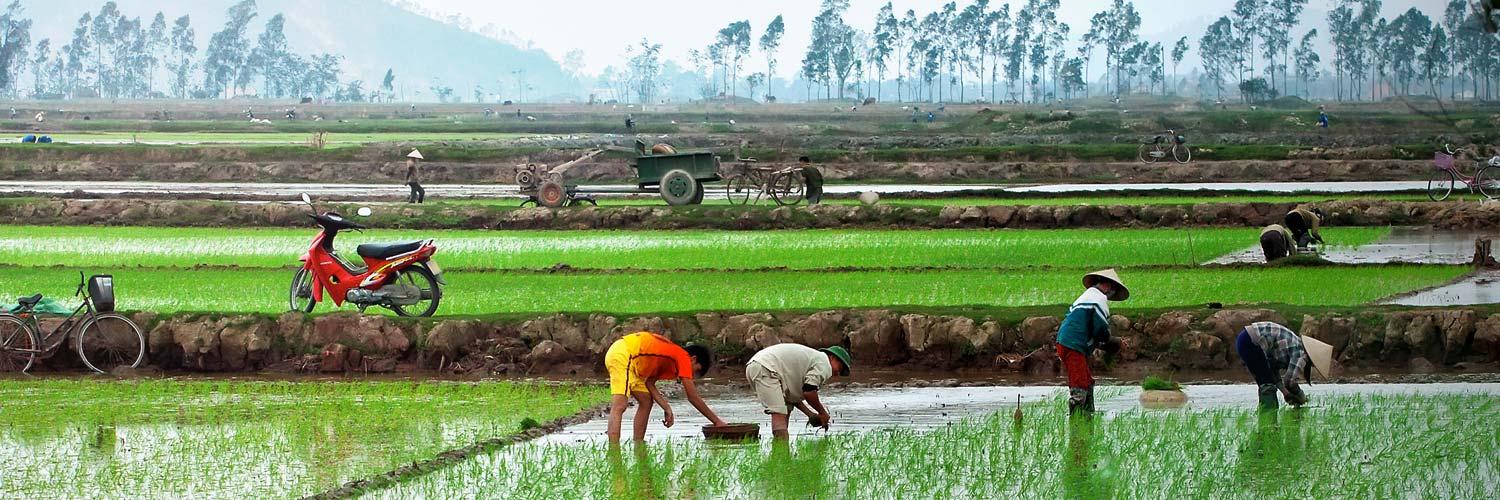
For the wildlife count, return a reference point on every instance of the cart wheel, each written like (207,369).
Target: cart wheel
(525,179)
(678,187)
(551,195)
(788,189)
(698,198)
(737,189)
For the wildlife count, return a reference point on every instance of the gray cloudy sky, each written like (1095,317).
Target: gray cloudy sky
(602,28)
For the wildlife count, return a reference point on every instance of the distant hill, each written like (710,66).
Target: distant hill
(372,35)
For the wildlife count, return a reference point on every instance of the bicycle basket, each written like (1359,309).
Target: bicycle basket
(102,292)
(1442,161)
(1180,139)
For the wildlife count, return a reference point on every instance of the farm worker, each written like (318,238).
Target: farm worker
(414,177)
(1322,116)
(813,179)
(636,362)
(1276,242)
(1086,327)
(785,376)
(1276,357)
(1304,225)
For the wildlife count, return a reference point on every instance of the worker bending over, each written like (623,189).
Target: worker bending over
(636,362)
(1277,357)
(784,376)
(1085,328)
(1276,242)
(1304,226)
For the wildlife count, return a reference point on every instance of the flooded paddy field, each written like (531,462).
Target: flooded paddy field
(1376,441)
(246,439)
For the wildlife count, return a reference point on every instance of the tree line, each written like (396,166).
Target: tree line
(113,55)
(1023,53)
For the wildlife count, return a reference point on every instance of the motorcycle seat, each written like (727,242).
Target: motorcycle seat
(386,250)
(30,302)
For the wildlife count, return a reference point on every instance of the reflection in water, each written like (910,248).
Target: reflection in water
(1081,474)
(1273,449)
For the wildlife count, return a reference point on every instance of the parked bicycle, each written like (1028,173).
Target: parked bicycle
(747,184)
(103,339)
(1169,143)
(1446,174)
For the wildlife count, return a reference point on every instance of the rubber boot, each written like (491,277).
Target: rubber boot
(1078,401)
(1088,404)
(1268,399)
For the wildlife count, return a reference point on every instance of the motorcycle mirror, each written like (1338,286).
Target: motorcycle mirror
(363,211)
(306,199)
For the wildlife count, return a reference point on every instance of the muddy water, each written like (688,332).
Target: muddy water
(1264,187)
(1417,245)
(1478,288)
(864,410)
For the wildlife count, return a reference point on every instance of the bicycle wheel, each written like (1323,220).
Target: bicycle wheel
(1440,185)
(1485,180)
(738,189)
(108,341)
(1147,153)
(788,189)
(16,334)
(300,297)
(1182,153)
(422,278)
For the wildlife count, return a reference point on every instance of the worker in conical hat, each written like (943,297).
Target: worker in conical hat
(1085,328)
(1277,357)
(414,177)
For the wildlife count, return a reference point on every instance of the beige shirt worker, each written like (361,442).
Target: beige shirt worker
(780,373)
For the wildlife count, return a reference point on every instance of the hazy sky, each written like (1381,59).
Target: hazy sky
(602,28)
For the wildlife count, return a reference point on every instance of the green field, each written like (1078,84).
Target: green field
(1348,447)
(123,247)
(240,439)
(640,292)
(1105,199)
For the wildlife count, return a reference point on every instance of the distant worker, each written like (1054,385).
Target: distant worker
(1085,328)
(13,112)
(786,376)
(1278,357)
(414,177)
(1322,116)
(636,362)
(931,117)
(1276,242)
(630,123)
(814,180)
(41,116)
(1303,223)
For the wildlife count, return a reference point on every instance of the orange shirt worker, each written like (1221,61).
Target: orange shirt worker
(636,362)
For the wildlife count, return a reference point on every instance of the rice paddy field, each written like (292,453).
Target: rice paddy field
(1356,446)
(245,438)
(633,272)
(977,200)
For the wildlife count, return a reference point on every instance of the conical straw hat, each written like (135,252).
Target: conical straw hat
(1321,354)
(1108,274)
(415,154)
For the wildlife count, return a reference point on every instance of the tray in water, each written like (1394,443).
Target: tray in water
(734,431)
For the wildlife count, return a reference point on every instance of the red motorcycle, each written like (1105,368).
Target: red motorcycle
(399,276)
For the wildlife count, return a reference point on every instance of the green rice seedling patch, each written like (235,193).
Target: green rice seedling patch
(1366,446)
(641,292)
(464,250)
(247,439)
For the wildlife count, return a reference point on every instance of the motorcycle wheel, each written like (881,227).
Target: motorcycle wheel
(432,293)
(301,298)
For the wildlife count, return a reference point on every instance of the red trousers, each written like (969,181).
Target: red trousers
(1076,365)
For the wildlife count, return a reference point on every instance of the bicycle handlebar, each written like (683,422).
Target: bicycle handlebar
(81,282)
(1449,148)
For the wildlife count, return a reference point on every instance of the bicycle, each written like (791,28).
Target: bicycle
(1445,175)
(1159,147)
(103,339)
(786,186)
